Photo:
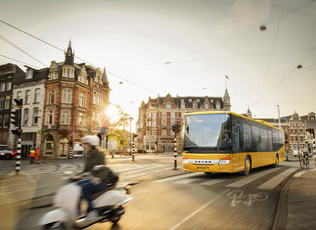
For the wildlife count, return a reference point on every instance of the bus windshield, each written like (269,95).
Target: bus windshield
(207,132)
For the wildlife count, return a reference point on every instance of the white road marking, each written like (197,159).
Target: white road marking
(194,213)
(177,177)
(187,181)
(273,182)
(251,178)
(213,181)
(299,174)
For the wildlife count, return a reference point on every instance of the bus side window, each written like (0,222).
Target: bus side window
(235,137)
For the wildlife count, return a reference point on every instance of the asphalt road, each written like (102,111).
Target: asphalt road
(170,199)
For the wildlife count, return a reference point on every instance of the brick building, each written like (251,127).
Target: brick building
(155,118)
(75,100)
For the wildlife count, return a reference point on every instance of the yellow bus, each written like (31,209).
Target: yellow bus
(226,142)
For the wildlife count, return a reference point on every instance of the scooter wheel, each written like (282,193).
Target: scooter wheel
(50,227)
(115,219)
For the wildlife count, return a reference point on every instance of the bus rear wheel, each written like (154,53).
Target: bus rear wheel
(247,167)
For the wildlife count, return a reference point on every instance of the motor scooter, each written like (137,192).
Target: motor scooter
(108,203)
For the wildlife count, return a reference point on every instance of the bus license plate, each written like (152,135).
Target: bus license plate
(203,168)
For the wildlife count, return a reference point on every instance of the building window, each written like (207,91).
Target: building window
(51,97)
(68,73)
(37,95)
(7,102)
(49,145)
(149,123)
(9,85)
(19,95)
(27,96)
(94,98)
(212,100)
(182,114)
(217,106)
(35,116)
(65,116)
(82,101)
(182,100)
(163,122)
(1,102)
(168,106)
(49,117)
(173,115)
(81,121)
(195,106)
(164,114)
(2,88)
(26,117)
(154,123)
(190,100)
(154,115)
(6,121)
(1,120)
(67,95)
(149,115)
(198,100)
(164,133)
(183,106)
(206,106)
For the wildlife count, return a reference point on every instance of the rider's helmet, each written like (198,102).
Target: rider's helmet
(90,139)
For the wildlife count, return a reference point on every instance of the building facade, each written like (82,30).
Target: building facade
(156,117)
(8,73)
(76,96)
(31,89)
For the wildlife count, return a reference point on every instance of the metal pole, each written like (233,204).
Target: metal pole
(279,116)
(133,149)
(175,152)
(18,156)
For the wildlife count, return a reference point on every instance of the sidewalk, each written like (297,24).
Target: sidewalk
(297,203)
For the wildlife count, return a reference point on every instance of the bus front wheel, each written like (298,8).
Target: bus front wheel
(276,163)
(247,167)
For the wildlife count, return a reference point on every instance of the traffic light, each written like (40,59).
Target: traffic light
(17,131)
(174,127)
(18,102)
(16,116)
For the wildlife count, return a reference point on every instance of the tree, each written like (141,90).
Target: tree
(118,121)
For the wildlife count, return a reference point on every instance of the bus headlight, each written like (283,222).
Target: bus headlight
(185,160)
(225,161)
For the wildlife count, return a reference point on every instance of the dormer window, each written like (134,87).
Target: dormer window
(168,106)
(29,74)
(206,106)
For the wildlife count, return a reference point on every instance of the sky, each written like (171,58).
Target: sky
(179,47)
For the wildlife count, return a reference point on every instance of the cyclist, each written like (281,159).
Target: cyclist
(305,152)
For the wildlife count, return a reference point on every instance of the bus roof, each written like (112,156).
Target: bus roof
(236,114)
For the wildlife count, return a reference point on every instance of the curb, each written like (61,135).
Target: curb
(281,213)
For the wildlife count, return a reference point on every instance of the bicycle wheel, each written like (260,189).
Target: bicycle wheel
(307,162)
(302,163)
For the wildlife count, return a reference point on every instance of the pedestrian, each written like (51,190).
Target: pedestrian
(37,153)
(32,155)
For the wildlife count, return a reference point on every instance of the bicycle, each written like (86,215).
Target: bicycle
(304,161)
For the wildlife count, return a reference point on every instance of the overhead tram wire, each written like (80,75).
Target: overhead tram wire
(272,50)
(21,50)
(76,56)
(250,30)
(19,61)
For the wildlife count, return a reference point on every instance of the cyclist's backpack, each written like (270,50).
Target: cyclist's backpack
(112,176)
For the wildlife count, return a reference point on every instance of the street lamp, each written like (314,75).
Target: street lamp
(130,135)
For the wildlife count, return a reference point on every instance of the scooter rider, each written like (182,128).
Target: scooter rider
(98,182)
